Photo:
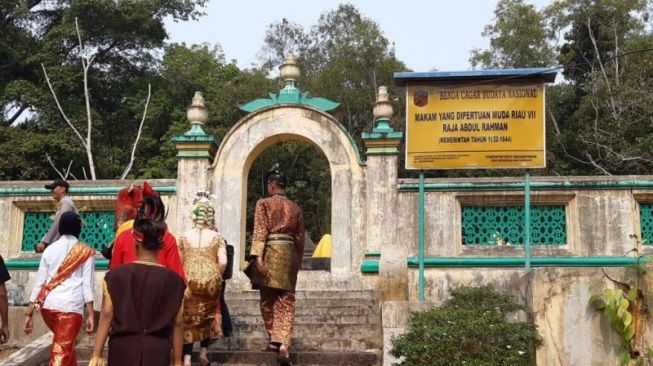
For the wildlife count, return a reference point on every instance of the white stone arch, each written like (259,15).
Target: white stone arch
(264,128)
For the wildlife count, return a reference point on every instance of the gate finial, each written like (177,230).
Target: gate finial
(290,94)
(195,143)
(382,107)
(196,111)
(289,70)
(383,140)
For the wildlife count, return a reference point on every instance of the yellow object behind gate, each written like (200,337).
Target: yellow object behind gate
(323,249)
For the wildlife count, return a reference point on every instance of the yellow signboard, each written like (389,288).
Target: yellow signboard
(481,126)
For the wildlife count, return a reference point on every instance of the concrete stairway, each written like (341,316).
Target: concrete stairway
(331,328)
(334,328)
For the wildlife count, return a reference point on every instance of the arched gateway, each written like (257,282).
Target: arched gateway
(363,194)
(268,126)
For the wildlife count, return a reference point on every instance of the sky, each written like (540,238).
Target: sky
(427,34)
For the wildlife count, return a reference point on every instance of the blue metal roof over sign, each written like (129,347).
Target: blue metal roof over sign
(547,75)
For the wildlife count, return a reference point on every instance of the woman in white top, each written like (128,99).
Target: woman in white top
(64,289)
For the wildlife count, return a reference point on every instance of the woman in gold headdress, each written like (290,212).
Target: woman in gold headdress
(203,252)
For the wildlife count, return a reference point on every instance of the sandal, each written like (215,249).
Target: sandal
(270,348)
(203,358)
(284,361)
(207,363)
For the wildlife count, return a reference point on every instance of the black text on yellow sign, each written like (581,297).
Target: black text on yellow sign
(473,127)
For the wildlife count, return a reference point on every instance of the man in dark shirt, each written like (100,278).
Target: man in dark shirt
(4,302)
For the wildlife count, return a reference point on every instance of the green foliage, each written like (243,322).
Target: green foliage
(122,35)
(471,328)
(627,306)
(22,148)
(594,32)
(615,305)
(598,118)
(602,123)
(185,70)
(519,38)
(344,57)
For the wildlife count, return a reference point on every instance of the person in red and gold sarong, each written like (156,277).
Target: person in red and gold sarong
(70,267)
(276,256)
(124,250)
(141,305)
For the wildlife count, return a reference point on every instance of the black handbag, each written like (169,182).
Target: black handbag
(229,270)
(107,250)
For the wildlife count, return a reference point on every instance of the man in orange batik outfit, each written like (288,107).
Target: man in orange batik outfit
(277,250)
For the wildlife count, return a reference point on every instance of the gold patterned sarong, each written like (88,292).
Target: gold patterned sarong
(203,292)
(278,311)
(281,262)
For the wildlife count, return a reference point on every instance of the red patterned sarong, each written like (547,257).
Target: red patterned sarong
(278,311)
(65,327)
(77,255)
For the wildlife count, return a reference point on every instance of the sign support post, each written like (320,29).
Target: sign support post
(421,237)
(527,221)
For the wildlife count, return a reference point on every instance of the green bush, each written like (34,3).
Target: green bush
(470,329)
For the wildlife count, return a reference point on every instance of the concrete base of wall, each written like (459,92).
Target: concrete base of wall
(573,333)
(394,318)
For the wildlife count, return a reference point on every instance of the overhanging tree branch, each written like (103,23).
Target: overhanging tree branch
(86,64)
(605,76)
(555,123)
(61,111)
(87,142)
(68,170)
(54,167)
(138,136)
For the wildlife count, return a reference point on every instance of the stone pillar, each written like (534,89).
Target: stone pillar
(195,152)
(382,151)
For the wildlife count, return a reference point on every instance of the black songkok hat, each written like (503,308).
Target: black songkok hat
(275,175)
(70,224)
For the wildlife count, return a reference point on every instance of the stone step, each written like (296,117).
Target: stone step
(359,294)
(313,319)
(344,309)
(317,330)
(312,344)
(247,358)
(372,358)
(331,328)
(305,303)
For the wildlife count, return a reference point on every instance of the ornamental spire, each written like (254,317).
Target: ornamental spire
(382,107)
(289,70)
(196,111)
(290,94)
(383,140)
